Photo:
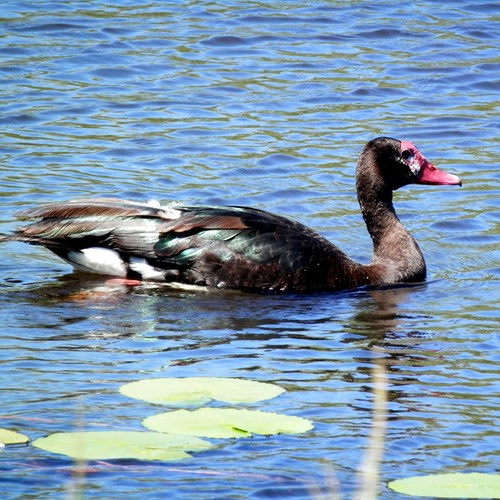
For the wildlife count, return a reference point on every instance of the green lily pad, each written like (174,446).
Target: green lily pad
(474,485)
(11,437)
(225,423)
(197,391)
(119,444)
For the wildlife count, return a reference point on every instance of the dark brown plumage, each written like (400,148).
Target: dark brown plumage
(238,247)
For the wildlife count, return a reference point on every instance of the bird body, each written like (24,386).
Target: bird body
(239,247)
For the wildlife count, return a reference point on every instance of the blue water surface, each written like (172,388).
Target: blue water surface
(265,104)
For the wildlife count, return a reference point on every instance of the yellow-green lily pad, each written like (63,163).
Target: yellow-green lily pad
(473,485)
(108,445)
(196,391)
(226,423)
(11,437)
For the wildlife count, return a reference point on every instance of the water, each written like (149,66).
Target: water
(263,104)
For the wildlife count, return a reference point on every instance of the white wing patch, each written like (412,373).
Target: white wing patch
(146,271)
(170,212)
(153,203)
(98,260)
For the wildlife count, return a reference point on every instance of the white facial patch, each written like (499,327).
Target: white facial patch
(411,157)
(414,165)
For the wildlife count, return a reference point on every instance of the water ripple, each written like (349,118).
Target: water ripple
(267,106)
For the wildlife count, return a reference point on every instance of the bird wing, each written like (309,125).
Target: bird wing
(241,247)
(230,247)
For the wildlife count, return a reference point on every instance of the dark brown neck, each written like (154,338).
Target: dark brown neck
(396,255)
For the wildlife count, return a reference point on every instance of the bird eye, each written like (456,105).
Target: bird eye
(406,154)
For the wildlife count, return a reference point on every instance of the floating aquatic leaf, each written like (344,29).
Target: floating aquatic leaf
(197,391)
(11,437)
(473,485)
(226,423)
(119,444)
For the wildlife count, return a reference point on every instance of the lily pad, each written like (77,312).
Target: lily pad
(196,391)
(226,423)
(119,444)
(473,485)
(11,437)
